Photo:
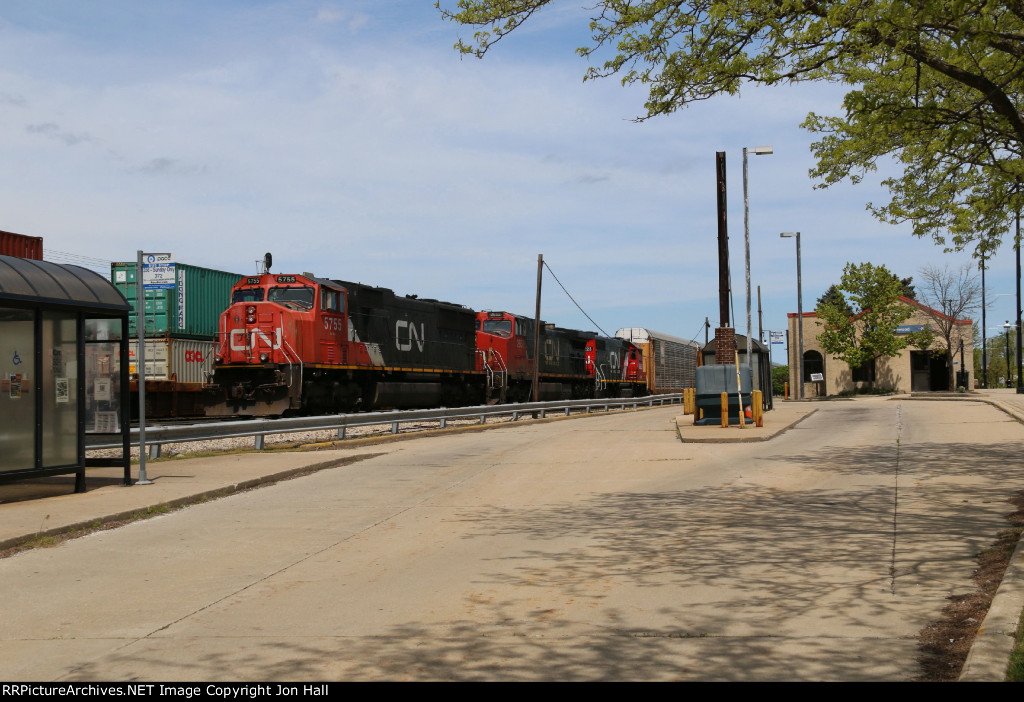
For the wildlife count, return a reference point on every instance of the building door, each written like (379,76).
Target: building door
(939,370)
(920,371)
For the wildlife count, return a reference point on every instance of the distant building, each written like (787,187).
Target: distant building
(911,371)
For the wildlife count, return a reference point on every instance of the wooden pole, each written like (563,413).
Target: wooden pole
(536,332)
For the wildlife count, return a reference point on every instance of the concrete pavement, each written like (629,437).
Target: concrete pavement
(47,507)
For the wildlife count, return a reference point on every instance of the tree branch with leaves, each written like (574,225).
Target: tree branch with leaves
(936,85)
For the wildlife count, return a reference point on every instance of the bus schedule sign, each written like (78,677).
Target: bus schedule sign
(158,271)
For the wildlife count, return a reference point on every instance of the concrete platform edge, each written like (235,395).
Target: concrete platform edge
(763,436)
(175,503)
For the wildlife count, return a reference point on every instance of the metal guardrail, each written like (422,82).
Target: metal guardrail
(157,435)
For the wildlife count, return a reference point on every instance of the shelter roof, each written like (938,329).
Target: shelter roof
(54,284)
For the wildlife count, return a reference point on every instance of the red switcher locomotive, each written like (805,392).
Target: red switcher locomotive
(291,344)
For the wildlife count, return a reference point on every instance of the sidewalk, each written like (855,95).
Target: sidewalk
(994,642)
(48,507)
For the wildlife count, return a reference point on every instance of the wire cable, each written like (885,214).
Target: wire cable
(573,300)
(99,265)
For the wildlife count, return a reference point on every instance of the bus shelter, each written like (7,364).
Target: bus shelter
(63,335)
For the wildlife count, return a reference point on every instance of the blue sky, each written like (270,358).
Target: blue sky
(351,141)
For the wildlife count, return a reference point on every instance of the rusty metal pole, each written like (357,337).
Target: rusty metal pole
(536,332)
(723,243)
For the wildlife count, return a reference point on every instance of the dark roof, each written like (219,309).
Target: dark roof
(741,345)
(46,283)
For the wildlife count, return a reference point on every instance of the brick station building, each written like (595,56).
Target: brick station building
(911,371)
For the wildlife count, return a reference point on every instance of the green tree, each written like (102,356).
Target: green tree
(835,296)
(780,376)
(935,84)
(872,294)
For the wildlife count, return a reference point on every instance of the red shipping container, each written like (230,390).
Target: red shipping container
(22,246)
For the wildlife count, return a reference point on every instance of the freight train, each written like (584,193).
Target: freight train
(670,362)
(299,344)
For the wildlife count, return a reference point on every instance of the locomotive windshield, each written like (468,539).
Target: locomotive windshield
(247,295)
(498,327)
(301,296)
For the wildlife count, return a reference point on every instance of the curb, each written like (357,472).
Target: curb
(989,656)
(741,439)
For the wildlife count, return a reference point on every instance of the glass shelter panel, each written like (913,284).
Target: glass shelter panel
(17,400)
(102,376)
(60,389)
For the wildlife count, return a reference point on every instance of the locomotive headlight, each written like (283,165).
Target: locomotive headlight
(250,314)
(218,358)
(263,358)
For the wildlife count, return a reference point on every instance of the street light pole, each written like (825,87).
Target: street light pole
(984,340)
(1016,245)
(800,316)
(758,151)
(1008,374)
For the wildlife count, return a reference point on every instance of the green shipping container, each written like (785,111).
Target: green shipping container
(189,309)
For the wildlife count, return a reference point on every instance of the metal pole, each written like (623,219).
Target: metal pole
(800,316)
(1008,379)
(760,317)
(746,252)
(140,366)
(536,332)
(1016,246)
(984,341)
(966,374)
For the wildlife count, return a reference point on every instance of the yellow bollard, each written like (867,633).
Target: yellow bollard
(725,410)
(757,406)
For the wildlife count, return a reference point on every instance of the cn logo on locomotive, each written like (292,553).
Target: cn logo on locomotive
(257,334)
(411,334)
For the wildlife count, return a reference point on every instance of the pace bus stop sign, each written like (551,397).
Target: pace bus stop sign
(157,271)
(157,274)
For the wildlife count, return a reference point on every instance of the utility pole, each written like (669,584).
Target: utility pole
(723,245)
(536,332)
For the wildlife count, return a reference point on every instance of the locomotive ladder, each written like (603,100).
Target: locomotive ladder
(494,366)
(600,382)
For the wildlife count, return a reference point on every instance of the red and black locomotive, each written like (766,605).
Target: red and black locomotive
(302,344)
(573,364)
